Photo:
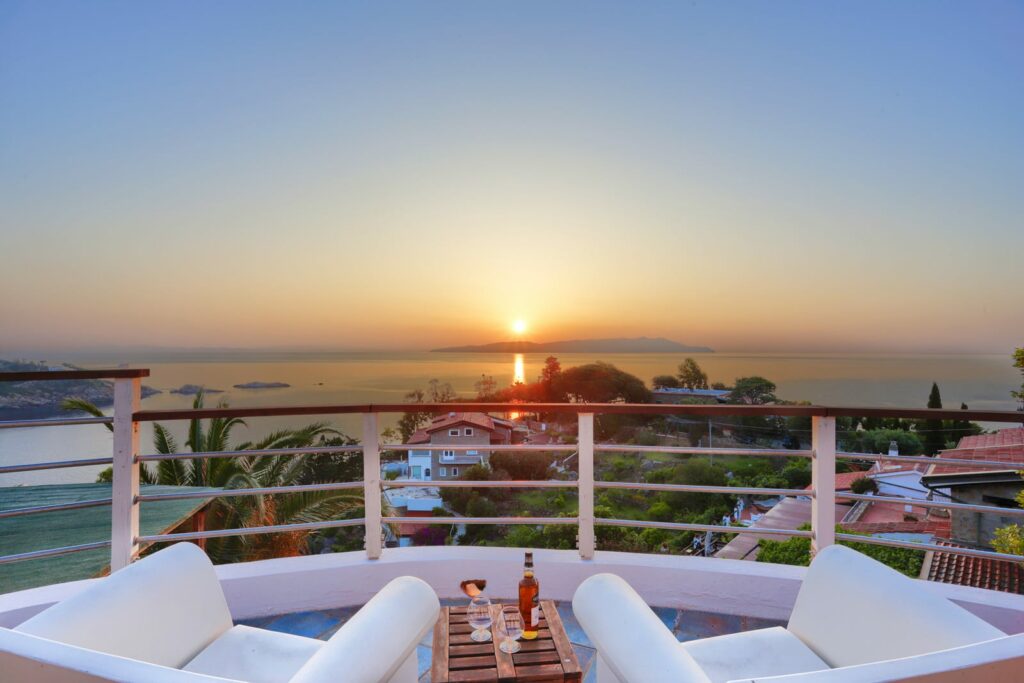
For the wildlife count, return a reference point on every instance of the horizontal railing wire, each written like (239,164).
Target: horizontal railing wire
(57,507)
(714,528)
(53,552)
(56,422)
(461,484)
(941,504)
(256,491)
(246,531)
(55,465)
(700,450)
(702,488)
(928,460)
(480,520)
(934,547)
(202,455)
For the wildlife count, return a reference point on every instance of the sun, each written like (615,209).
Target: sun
(519,326)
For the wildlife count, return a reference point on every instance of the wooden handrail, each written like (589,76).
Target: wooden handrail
(48,376)
(1009,416)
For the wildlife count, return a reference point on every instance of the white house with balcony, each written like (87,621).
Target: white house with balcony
(468,435)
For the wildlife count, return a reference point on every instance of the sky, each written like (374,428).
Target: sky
(752,176)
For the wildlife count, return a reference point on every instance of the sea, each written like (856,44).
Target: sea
(841,379)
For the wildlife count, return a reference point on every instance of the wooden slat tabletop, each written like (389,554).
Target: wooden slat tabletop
(457,658)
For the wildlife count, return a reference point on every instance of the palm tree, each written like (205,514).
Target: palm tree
(256,471)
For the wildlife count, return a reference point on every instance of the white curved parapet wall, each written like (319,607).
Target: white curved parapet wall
(317,582)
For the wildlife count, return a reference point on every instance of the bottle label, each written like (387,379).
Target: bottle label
(535,616)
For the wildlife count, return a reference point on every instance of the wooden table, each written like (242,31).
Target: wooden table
(457,657)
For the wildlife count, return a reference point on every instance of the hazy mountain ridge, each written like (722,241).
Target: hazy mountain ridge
(614,345)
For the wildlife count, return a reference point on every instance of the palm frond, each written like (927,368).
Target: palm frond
(80,405)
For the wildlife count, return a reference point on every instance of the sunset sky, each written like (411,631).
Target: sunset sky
(757,176)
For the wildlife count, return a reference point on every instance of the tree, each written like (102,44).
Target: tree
(437,392)
(1010,538)
(1018,362)
(255,471)
(878,440)
(698,471)
(486,388)
(665,382)
(601,383)
(753,391)
(691,376)
(934,436)
(549,373)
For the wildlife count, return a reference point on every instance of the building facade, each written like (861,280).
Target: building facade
(469,434)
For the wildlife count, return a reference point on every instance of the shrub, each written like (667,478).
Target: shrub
(525,466)
(645,437)
(864,485)
(430,535)
(798,473)
(660,512)
(797,551)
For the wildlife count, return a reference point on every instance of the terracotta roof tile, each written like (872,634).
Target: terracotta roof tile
(936,526)
(844,480)
(1006,445)
(475,419)
(977,572)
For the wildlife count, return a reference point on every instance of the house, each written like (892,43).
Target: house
(987,486)
(469,434)
(893,479)
(678,394)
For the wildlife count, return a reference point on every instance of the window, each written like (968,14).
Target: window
(444,471)
(453,432)
(447,455)
(426,473)
(455,471)
(417,472)
(468,431)
(472,452)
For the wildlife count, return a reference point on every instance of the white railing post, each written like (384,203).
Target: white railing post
(124,527)
(586,485)
(823,480)
(371,485)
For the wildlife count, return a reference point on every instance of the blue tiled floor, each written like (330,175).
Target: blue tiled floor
(685,624)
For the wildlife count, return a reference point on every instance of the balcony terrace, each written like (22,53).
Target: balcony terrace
(332,583)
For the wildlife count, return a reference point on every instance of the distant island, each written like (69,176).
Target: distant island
(619,345)
(262,385)
(193,389)
(29,400)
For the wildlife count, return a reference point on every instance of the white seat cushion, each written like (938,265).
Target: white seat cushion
(255,655)
(766,652)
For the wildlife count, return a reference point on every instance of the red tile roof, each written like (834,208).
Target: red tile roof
(473,419)
(978,572)
(479,420)
(936,526)
(844,480)
(1006,445)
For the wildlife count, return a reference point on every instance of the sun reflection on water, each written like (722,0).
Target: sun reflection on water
(518,370)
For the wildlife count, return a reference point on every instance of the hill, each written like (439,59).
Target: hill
(617,345)
(26,400)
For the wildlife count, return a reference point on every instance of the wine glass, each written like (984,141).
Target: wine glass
(479,617)
(510,628)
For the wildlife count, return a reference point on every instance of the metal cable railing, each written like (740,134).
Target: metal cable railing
(126,539)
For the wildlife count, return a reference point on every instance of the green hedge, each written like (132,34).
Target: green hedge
(798,551)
